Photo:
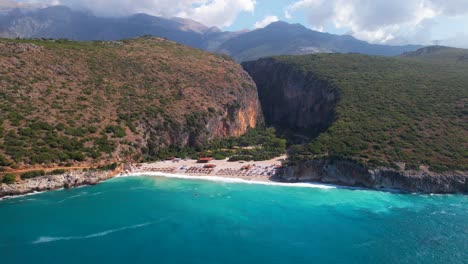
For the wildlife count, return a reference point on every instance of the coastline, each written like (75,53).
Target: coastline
(71,179)
(263,173)
(215,178)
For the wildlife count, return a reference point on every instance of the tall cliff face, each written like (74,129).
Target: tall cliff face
(96,101)
(369,121)
(293,100)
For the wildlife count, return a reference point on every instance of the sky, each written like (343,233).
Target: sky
(376,21)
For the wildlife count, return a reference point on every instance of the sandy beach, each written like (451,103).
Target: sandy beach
(260,171)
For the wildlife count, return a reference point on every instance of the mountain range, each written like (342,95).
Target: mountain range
(279,38)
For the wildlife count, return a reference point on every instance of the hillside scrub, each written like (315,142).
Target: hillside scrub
(9,178)
(66,102)
(391,111)
(257,144)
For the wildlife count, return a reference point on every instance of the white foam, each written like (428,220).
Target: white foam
(72,197)
(19,196)
(46,239)
(232,180)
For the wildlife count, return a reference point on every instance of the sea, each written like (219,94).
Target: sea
(162,220)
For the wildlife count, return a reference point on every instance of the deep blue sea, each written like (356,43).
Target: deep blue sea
(160,220)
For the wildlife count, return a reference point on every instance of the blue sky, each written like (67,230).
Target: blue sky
(376,21)
(448,26)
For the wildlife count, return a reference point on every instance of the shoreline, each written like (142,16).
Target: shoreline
(216,178)
(71,179)
(261,173)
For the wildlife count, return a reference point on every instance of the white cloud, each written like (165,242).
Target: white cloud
(379,21)
(219,13)
(266,21)
(459,40)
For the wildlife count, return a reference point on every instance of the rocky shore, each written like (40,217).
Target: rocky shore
(47,183)
(348,173)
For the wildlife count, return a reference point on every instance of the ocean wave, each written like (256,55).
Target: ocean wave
(234,180)
(72,197)
(20,196)
(47,239)
(79,195)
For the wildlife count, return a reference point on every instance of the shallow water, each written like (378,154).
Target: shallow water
(160,220)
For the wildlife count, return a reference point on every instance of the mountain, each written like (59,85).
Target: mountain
(281,38)
(64,101)
(60,22)
(276,39)
(403,113)
(439,54)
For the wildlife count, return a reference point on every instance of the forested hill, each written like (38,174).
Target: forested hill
(65,101)
(408,113)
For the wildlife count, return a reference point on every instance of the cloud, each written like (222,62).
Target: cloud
(219,13)
(266,21)
(379,21)
(459,40)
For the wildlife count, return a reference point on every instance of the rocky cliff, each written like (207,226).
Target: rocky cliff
(349,173)
(68,180)
(293,100)
(65,101)
(364,121)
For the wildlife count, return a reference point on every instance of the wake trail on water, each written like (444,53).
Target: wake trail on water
(47,239)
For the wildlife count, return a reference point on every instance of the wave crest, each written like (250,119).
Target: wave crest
(46,239)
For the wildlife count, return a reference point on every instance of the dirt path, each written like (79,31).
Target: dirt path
(45,169)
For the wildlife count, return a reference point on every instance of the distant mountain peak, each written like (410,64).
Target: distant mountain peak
(283,24)
(278,38)
(427,50)
(191,25)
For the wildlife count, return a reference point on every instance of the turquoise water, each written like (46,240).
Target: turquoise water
(159,220)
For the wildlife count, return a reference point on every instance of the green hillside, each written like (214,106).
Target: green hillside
(97,102)
(439,54)
(393,111)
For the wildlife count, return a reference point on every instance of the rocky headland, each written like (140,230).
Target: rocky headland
(48,183)
(349,173)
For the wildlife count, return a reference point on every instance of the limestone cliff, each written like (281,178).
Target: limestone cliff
(65,101)
(293,100)
(364,122)
(348,173)
(67,180)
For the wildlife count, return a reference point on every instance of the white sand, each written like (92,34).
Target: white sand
(259,171)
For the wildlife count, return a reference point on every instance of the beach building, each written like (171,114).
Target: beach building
(204,159)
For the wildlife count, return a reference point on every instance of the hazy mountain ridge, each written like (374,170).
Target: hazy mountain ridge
(276,39)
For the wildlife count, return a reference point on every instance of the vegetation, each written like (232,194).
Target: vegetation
(63,102)
(9,178)
(57,172)
(108,167)
(410,110)
(32,174)
(257,144)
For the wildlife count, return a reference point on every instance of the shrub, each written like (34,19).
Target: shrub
(219,156)
(118,131)
(9,178)
(110,167)
(4,161)
(57,172)
(32,174)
